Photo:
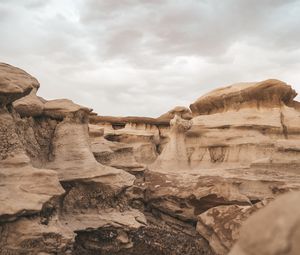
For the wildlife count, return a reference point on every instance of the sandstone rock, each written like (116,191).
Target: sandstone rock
(30,236)
(174,155)
(244,137)
(61,108)
(118,155)
(130,147)
(29,105)
(177,184)
(220,225)
(227,163)
(23,189)
(122,121)
(268,93)
(181,111)
(210,197)
(14,83)
(274,229)
(95,131)
(74,160)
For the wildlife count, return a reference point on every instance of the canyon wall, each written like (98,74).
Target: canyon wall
(73,182)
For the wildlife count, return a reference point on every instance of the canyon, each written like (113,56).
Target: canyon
(218,177)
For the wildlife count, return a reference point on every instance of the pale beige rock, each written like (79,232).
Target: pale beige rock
(14,83)
(268,93)
(181,111)
(61,108)
(24,190)
(29,105)
(73,159)
(211,187)
(132,219)
(195,178)
(243,152)
(95,131)
(119,155)
(212,196)
(244,137)
(130,147)
(174,155)
(274,229)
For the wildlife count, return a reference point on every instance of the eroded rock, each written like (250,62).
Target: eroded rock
(268,93)
(14,83)
(72,182)
(274,229)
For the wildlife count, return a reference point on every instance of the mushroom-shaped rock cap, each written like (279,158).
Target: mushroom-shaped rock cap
(14,83)
(61,108)
(181,111)
(30,105)
(268,93)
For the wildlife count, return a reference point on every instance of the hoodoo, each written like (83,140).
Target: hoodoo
(192,181)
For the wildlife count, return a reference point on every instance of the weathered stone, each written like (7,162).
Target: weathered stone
(274,229)
(72,182)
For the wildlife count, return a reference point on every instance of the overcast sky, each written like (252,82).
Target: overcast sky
(143,57)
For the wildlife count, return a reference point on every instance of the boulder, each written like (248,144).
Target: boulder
(274,229)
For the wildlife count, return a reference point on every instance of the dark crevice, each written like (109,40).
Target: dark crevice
(284,127)
(205,203)
(117,126)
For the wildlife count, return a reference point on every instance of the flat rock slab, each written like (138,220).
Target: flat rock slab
(24,190)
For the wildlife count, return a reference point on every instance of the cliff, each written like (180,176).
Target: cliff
(73,182)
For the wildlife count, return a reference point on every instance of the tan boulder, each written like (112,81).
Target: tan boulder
(274,229)
(220,225)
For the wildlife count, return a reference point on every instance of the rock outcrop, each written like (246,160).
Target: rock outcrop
(268,93)
(73,182)
(14,84)
(212,171)
(174,154)
(273,230)
(45,202)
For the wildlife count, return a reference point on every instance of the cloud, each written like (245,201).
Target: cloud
(138,57)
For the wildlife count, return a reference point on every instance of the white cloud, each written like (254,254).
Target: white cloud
(144,57)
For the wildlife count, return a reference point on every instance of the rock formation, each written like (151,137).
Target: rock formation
(73,182)
(227,161)
(273,230)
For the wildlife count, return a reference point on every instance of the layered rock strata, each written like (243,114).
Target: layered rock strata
(237,153)
(73,182)
(56,198)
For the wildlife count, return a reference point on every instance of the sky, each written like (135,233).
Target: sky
(144,57)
